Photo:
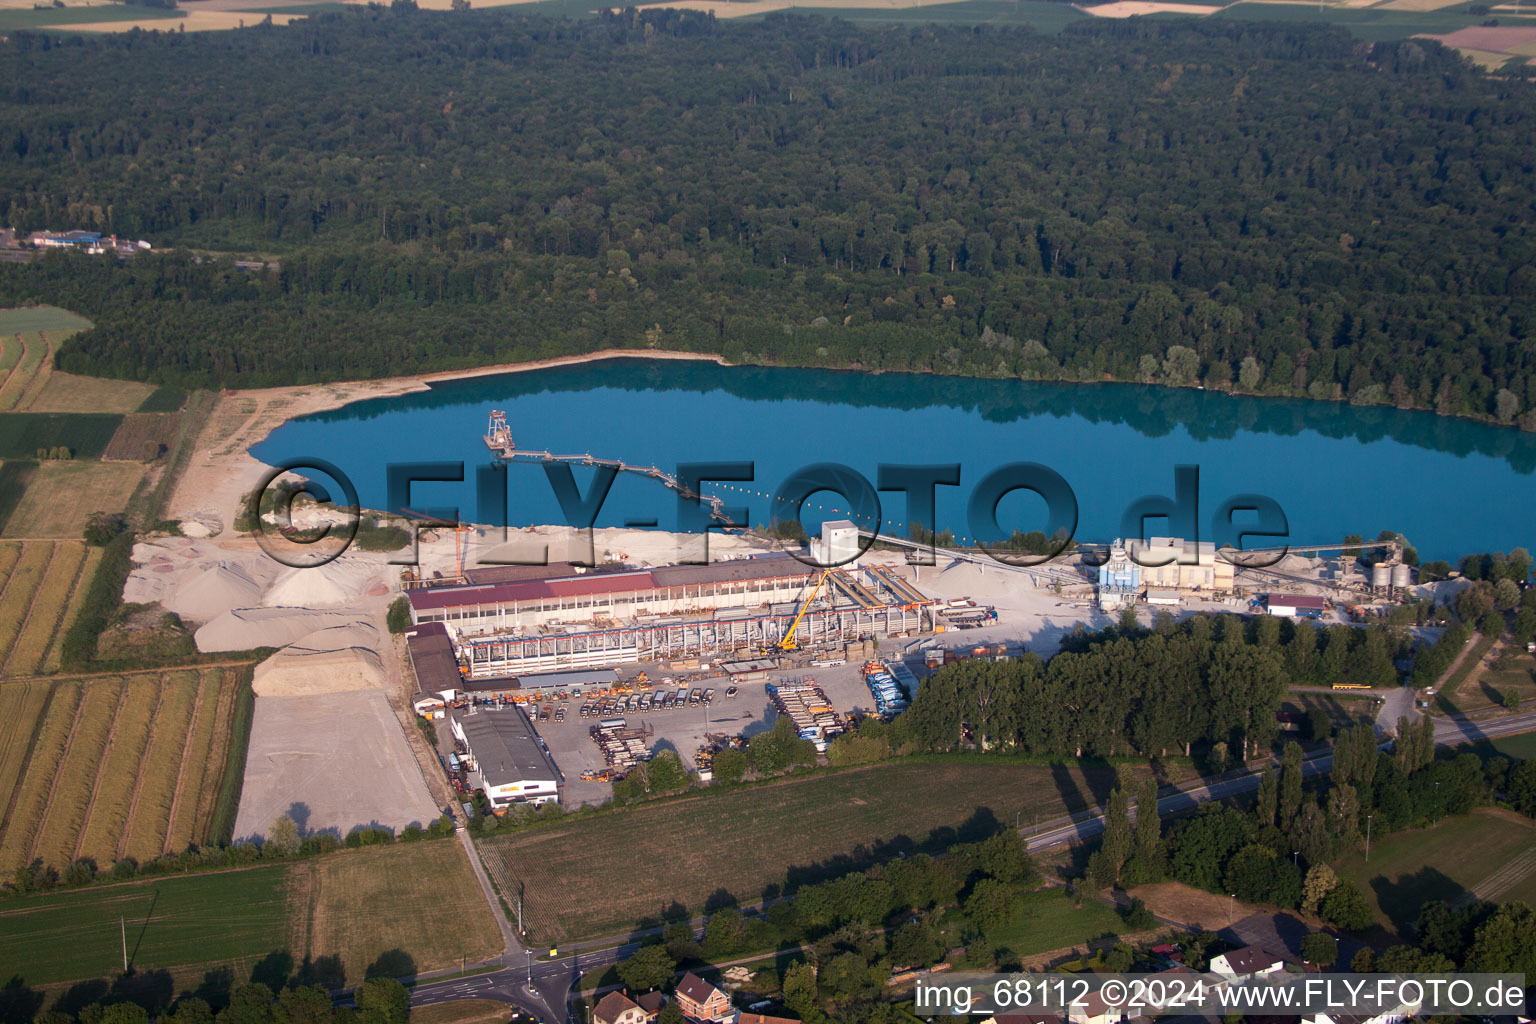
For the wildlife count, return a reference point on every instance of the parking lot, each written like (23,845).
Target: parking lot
(685,728)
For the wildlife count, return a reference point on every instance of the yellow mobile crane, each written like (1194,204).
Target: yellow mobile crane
(788,643)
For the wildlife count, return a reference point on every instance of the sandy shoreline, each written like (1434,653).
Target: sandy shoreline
(222,469)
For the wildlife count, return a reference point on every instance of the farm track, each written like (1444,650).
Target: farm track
(39,377)
(213,768)
(101,771)
(21,631)
(61,677)
(10,554)
(87,565)
(7,364)
(14,383)
(53,784)
(199,708)
(9,817)
(138,778)
(10,570)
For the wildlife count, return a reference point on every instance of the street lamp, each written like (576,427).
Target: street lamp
(1294,855)
(1368,838)
(1231,899)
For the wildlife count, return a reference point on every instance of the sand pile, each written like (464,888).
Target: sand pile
(335,583)
(335,659)
(213,591)
(244,628)
(195,579)
(1298,565)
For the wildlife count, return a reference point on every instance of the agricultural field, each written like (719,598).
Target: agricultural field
(40,318)
(737,840)
(37,598)
(113,766)
(1489,854)
(84,434)
(330,910)
(13,19)
(186,925)
(65,392)
(32,368)
(61,496)
(14,477)
(139,431)
(434,925)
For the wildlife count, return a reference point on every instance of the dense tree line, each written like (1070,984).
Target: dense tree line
(1213,681)
(860,927)
(280,992)
(1277,209)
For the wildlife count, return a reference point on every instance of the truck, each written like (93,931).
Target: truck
(611,723)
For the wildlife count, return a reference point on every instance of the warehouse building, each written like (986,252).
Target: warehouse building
(587,620)
(478,609)
(1291,606)
(1207,571)
(507,758)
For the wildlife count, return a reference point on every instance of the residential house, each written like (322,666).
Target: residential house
(701,1001)
(651,1003)
(1094,1009)
(763,1018)
(617,1008)
(1397,1016)
(1246,963)
(1023,1018)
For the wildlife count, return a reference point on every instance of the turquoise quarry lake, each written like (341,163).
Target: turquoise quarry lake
(1451,486)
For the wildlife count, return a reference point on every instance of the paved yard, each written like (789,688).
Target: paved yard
(333,761)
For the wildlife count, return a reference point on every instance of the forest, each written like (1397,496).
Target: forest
(1216,681)
(1275,209)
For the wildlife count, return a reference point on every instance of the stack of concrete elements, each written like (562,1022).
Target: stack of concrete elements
(804,704)
(861,650)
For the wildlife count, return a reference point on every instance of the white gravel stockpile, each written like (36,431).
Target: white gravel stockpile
(332,660)
(245,628)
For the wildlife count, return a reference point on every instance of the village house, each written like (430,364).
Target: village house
(617,1008)
(701,1001)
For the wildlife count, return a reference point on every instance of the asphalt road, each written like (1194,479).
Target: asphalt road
(1448,733)
(548,996)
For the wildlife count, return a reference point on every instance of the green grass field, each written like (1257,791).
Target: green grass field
(13,20)
(745,840)
(61,496)
(163,399)
(1520,747)
(1048,919)
(87,434)
(14,477)
(422,900)
(1489,853)
(184,925)
(1446,697)
(50,318)
(1513,672)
